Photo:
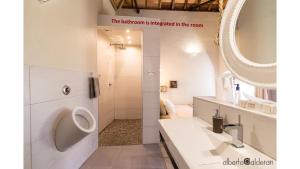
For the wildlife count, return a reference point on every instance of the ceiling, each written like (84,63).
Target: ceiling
(122,36)
(176,5)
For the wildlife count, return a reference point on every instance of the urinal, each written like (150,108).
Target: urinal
(73,127)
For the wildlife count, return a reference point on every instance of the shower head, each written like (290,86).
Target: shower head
(122,47)
(119,45)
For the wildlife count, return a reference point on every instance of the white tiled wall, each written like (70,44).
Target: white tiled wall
(150,100)
(42,114)
(263,135)
(27,143)
(43,121)
(204,110)
(259,131)
(128,77)
(150,72)
(151,116)
(46,83)
(106,69)
(26,85)
(151,76)
(150,134)
(127,85)
(151,42)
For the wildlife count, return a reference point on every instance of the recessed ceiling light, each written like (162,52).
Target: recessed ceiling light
(127,30)
(43,0)
(128,37)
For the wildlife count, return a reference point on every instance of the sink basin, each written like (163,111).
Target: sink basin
(193,145)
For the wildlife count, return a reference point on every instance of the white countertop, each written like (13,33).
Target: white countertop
(199,148)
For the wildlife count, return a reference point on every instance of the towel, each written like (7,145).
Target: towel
(97,86)
(226,77)
(92,89)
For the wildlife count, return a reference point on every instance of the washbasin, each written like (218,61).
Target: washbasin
(200,148)
(245,157)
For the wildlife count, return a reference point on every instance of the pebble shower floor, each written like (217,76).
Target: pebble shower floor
(122,132)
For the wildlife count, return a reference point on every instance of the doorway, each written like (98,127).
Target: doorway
(120,79)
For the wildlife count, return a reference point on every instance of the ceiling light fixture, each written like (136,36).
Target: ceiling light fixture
(127,31)
(43,1)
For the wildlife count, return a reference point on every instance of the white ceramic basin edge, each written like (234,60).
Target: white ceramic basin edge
(193,145)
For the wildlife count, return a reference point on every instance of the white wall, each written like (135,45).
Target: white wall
(221,92)
(195,73)
(106,75)
(27,138)
(105,7)
(47,105)
(61,35)
(151,76)
(128,81)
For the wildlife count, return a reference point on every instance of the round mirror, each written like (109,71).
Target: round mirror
(256,31)
(248,41)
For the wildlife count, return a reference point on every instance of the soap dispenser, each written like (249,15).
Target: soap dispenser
(237,94)
(217,123)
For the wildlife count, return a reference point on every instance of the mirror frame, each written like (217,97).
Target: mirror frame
(259,75)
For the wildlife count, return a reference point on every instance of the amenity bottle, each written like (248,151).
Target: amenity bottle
(237,94)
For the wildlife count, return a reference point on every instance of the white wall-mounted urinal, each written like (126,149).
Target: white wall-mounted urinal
(73,127)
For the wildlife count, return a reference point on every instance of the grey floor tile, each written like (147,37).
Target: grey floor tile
(150,149)
(169,164)
(147,168)
(126,157)
(103,158)
(148,161)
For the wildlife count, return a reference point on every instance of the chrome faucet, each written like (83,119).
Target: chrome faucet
(236,131)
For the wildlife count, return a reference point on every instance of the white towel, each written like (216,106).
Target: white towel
(226,78)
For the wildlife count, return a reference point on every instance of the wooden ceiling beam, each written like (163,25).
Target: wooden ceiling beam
(120,4)
(221,6)
(173,4)
(201,3)
(113,5)
(206,2)
(185,4)
(159,4)
(210,7)
(136,6)
(127,2)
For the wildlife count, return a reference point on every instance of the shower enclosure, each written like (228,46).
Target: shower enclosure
(120,78)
